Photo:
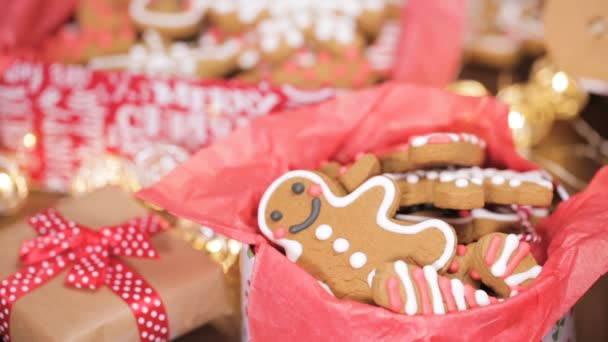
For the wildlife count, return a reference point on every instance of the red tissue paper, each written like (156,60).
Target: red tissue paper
(222,184)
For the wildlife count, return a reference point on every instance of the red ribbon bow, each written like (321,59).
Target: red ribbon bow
(62,243)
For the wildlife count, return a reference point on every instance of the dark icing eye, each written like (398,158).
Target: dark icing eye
(276,215)
(297,188)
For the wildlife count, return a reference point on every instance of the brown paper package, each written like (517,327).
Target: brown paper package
(189,283)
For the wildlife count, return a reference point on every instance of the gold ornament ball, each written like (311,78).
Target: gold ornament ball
(103,170)
(468,88)
(13,186)
(529,119)
(561,91)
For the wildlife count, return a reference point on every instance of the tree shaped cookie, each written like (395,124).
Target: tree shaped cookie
(341,239)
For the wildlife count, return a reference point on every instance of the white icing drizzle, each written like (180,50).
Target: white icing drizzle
(370,277)
(458,293)
(430,274)
(357,260)
(519,278)
(421,140)
(500,266)
(382,219)
(411,303)
(189,17)
(481,297)
(341,245)
(323,232)
(326,287)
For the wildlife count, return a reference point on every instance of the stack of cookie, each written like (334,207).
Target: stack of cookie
(308,44)
(420,229)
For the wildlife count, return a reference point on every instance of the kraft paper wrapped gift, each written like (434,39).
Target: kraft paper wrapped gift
(189,283)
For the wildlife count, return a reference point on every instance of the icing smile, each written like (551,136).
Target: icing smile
(314,214)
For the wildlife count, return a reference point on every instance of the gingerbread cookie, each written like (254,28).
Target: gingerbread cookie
(102,28)
(172,18)
(471,188)
(365,167)
(156,58)
(278,39)
(412,290)
(307,69)
(341,239)
(435,149)
(505,264)
(471,225)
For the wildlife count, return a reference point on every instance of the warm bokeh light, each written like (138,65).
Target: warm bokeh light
(29,140)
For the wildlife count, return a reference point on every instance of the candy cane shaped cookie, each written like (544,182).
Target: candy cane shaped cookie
(471,188)
(412,290)
(435,149)
(505,264)
(172,18)
(340,239)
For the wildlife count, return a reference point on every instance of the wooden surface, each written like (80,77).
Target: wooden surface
(591,311)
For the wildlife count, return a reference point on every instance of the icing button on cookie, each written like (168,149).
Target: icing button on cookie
(323,232)
(358,260)
(341,245)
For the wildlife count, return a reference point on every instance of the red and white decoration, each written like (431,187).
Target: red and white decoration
(75,112)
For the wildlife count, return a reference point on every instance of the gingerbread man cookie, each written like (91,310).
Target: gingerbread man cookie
(435,149)
(412,290)
(502,262)
(471,188)
(505,264)
(474,224)
(341,239)
(364,168)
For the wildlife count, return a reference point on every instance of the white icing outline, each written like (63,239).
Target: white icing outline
(370,277)
(190,17)
(411,302)
(519,278)
(421,140)
(293,248)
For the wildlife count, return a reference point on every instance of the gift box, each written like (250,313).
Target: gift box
(222,185)
(188,284)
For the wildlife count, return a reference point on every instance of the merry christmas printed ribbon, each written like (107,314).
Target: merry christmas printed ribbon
(93,256)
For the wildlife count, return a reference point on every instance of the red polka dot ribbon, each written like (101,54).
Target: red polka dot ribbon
(92,257)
